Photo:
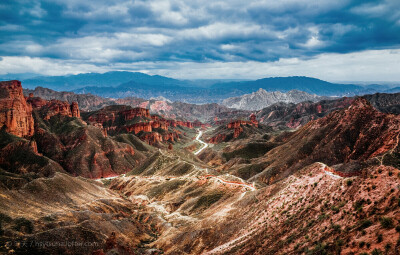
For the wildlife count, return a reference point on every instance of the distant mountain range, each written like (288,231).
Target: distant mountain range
(262,98)
(131,84)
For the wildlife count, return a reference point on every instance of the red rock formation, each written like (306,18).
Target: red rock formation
(56,107)
(15,114)
(119,118)
(75,110)
(51,108)
(138,127)
(341,174)
(102,118)
(36,102)
(135,112)
(253,119)
(172,123)
(237,132)
(33,146)
(171,136)
(217,139)
(160,124)
(236,125)
(184,124)
(152,138)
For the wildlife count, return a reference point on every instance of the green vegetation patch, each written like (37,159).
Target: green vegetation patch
(249,151)
(133,141)
(207,200)
(180,169)
(250,170)
(140,169)
(165,188)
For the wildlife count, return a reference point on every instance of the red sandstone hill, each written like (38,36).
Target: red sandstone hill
(42,136)
(296,115)
(153,129)
(357,134)
(235,129)
(50,108)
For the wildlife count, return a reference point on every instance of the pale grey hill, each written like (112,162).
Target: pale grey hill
(262,98)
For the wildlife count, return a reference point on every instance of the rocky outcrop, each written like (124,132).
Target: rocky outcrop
(15,113)
(56,107)
(75,110)
(224,132)
(135,112)
(139,127)
(152,138)
(152,129)
(60,144)
(50,108)
(160,124)
(237,125)
(219,138)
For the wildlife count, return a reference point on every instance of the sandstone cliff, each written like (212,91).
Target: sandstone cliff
(15,113)
(151,128)
(54,107)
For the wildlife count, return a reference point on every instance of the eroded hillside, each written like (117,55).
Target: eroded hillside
(330,186)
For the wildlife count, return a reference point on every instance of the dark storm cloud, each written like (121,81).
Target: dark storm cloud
(100,32)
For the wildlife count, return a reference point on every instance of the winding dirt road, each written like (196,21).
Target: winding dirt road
(205,145)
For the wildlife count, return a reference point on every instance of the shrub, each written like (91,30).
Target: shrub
(364,224)
(376,252)
(335,209)
(386,222)
(349,182)
(398,228)
(319,249)
(380,238)
(358,205)
(336,228)
(387,247)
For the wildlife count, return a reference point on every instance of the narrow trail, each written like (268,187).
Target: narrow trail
(205,145)
(241,184)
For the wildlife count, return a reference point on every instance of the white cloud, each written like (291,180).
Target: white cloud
(45,66)
(220,30)
(373,65)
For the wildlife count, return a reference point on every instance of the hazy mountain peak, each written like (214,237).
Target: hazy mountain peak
(262,98)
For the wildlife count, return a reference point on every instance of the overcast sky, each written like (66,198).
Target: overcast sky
(240,39)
